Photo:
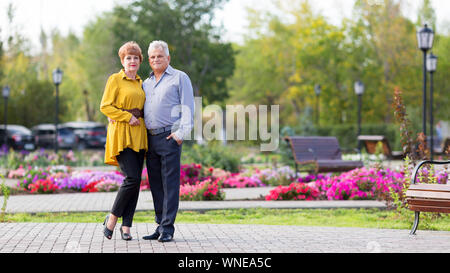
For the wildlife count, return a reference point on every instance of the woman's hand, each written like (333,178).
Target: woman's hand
(134,121)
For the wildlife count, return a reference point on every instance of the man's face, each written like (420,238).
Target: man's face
(158,60)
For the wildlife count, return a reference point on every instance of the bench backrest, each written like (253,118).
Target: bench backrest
(370,142)
(323,147)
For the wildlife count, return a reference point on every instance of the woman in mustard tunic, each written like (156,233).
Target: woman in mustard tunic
(126,141)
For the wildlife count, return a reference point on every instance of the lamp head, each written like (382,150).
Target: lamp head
(5,91)
(317,89)
(359,88)
(425,37)
(431,63)
(57,76)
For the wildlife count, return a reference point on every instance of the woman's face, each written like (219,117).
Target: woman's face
(131,63)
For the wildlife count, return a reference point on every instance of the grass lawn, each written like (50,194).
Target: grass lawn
(363,218)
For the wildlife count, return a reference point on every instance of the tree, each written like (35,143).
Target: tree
(194,42)
(426,15)
(283,59)
(442,79)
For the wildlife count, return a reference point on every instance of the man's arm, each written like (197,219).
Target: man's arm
(186,93)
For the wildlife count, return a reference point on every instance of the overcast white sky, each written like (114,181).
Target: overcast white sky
(30,15)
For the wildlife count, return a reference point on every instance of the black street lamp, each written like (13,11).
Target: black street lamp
(5,93)
(425,37)
(57,78)
(359,90)
(431,67)
(317,90)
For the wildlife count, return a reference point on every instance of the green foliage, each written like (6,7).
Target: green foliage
(213,154)
(284,56)
(281,59)
(5,193)
(87,61)
(194,42)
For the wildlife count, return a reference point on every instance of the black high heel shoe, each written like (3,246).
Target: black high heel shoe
(125,236)
(108,233)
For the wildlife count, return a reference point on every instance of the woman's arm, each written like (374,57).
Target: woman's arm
(107,106)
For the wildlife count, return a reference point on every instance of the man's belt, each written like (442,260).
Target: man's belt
(137,113)
(158,131)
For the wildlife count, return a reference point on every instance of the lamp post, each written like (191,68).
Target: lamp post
(57,78)
(359,90)
(425,38)
(5,93)
(431,67)
(317,90)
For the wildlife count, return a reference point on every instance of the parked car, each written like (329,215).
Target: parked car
(18,137)
(44,136)
(90,134)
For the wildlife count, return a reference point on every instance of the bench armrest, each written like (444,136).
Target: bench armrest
(416,169)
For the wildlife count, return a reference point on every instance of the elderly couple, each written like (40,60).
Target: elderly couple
(147,120)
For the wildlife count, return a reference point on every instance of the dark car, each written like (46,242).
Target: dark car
(18,137)
(44,136)
(90,134)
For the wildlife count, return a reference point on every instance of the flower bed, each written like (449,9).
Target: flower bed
(61,178)
(198,182)
(238,180)
(41,158)
(205,190)
(284,175)
(295,191)
(358,184)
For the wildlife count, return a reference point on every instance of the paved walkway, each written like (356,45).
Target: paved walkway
(213,238)
(203,238)
(102,201)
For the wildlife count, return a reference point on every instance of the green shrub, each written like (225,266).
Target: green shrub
(213,154)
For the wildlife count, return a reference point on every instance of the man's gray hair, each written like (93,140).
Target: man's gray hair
(159,44)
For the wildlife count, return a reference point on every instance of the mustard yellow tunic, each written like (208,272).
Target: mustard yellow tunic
(122,92)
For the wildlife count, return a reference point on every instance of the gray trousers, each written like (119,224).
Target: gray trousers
(163,167)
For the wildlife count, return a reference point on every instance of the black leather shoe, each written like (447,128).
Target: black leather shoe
(125,236)
(154,236)
(165,238)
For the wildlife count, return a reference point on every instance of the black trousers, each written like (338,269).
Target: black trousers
(130,163)
(163,167)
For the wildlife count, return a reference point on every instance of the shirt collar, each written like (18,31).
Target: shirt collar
(169,70)
(125,77)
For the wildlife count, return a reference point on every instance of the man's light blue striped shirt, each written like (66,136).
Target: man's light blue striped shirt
(169,102)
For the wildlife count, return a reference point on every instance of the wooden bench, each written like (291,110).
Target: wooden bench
(370,143)
(322,153)
(427,197)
